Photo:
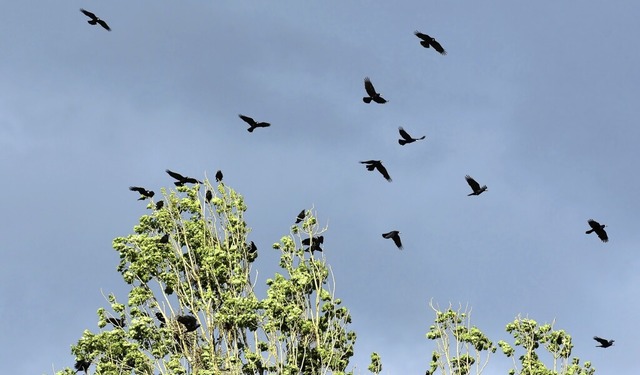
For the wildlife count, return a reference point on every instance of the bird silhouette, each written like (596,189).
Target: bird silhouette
(253,124)
(164,238)
(182,179)
(406,137)
(219,176)
(121,323)
(208,196)
(371,91)
(161,319)
(189,321)
(377,164)
(301,216)
(428,41)
(313,243)
(604,343)
(95,20)
(159,205)
(144,193)
(395,236)
(599,229)
(82,365)
(475,186)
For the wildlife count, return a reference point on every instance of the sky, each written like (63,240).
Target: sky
(537,100)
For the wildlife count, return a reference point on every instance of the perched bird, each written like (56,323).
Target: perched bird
(189,321)
(253,124)
(599,229)
(406,137)
(377,164)
(94,19)
(161,319)
(428,41)
(117,322)
(604,343)
(181,179)
(144,193)
(313,243)
(208,196)
(301,216)
(82,365)
(395,236)
(159,205)
(371,91)
(219,176)
(475,186)
(252,252)
(164,238)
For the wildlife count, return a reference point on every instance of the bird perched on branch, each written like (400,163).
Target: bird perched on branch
(377,164)
(428,41)
(121,323)
(253,124)
(604,343)
(371,91)
(475,186)
(95,20)
(406,137)
(599,229)
(219,176)
(182,179)
(301,216)
(189,321)
(144,193)
(395,236)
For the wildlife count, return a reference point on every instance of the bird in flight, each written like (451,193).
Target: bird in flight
(475,186)
(95,20)
(428,41)
(181,179)
(604,343)
(599,229)
(395,236)
(82,365)
(253,124)
(313,243)
(300,216)
(371,91)
(219,176)
(144,193)
(406,137)
(377,164)
(189,321)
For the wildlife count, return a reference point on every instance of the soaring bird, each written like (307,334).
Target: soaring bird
(219,176)
(189,321)
(301,216)
(377,164)
(604,343)
(82,365)
(253,124)
(428,41)
(475,186)
(94,19)
(182,179)
(599,229)
(313,243)
(395,236)
(371,91)
(144,193)
(406,137)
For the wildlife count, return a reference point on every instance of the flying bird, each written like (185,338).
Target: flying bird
(301,216)
(208,196)
(181,179)
(475,186)
(377,164)
(371,91)
(144,193)
(94,19)
(406,137)
(219,176)
(395,236)
(82,365)
(189,321)
(599,229)
(428,41)
(313,243)
(604,343)
(253,124)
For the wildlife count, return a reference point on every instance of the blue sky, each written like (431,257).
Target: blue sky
(536,100)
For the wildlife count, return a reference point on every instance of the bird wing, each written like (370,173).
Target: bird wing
(404,134)
(475,186)
(390,234)
(138,189)
(397,241)
(300,216)
(438,47)
(602,235)
(175,175)
(104,24)
(369,162)
(593,224)
(247,119)
(384,172)
(601,340)
(89,14)
(422,36)
(368,86)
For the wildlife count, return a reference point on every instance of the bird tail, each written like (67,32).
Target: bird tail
(589,231)
(402,142)
(474,193)
(142,198)
(92,22)
(425,44)
(250,130)
(423,137)
(366,100)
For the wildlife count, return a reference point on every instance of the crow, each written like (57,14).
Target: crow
(159,205)
(371,91)
(377,164)
(313,243)
(208,196)
(428,41)
(599,229)
(161,319)
(94,19)
(475,186)
(253,124)
(181,179)
(300,216)
(164,238)
(407,137)
(82,365)
(189,321)
(144,193)
(219,176)
(604,343)
(117,322)
(252,251)
(395,236)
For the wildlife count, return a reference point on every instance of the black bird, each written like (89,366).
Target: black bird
(377,164)
(428,41)
(94,19)
(189,321)
(406,137)
(395,236)
(181,179)
(301,216)
(252,252)
(371,91)
(161,319)
(219,176)
(164,239)
(82,365)
(144,193)
(599,229)
(604,343)
(475,186)
(159,205)
(253,124)
(117,322)
(208,196)
(313,243)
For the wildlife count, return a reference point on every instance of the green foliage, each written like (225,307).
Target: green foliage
(204,270)
(376,363)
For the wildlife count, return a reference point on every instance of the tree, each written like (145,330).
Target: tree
(192,309)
